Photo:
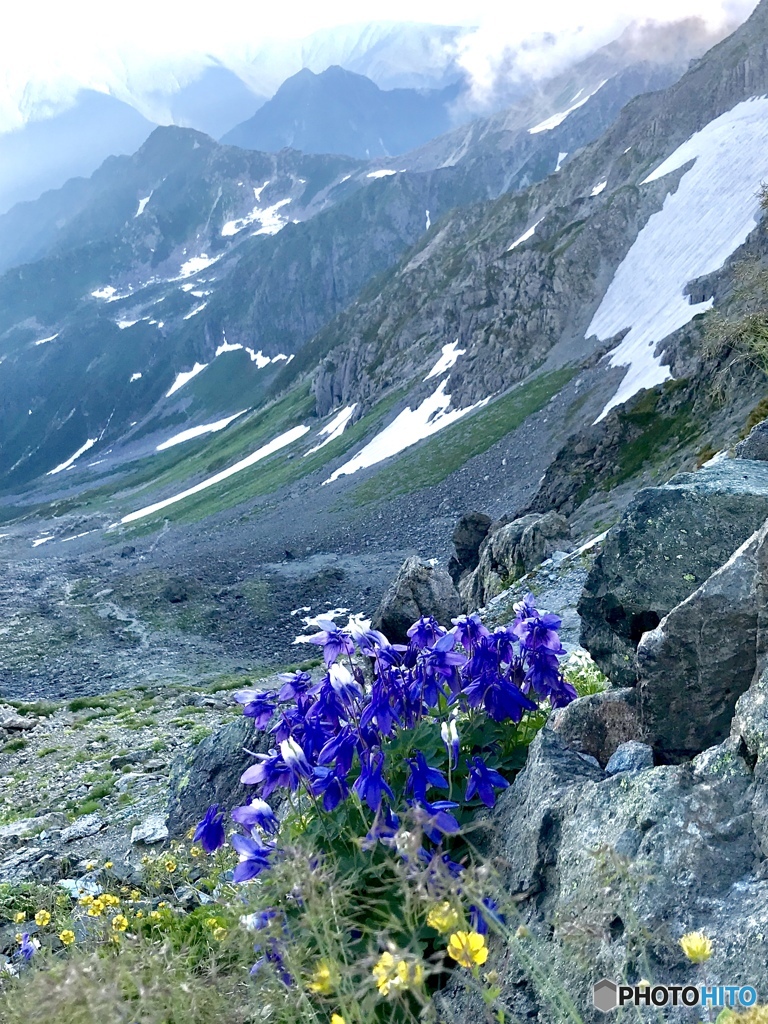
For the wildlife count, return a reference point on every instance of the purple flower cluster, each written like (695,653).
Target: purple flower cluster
(330,737)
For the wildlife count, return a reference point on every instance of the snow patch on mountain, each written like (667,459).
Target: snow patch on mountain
(525,235)
(44,341)
(380,174)
(269,220)
(557,119)
(599,188)
(196,264)
(134,377)
(184,378)
(142,205)
(410,426)
(192,432)
(560,158)
(195,310)
(73,458)
(707,218)
(250,460)
(333,429)
(451,353)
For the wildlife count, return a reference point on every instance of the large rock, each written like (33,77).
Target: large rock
(471,530)
(701,658)
(755,445)
(210,774)
(669,541)
(598,724)
(607,873)
(418,589)
(509,551)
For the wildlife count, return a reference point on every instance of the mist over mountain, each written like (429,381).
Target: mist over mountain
(44,154)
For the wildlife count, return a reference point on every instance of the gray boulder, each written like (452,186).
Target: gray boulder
(509,551)
(630,757)
(701,658)
(606,873)
(598,724)
(668,542)
(418,589)
(755,445)
(210,774)
(471,530)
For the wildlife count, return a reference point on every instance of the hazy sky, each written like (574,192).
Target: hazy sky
(48,47)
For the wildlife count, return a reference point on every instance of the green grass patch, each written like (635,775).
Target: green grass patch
(435,459)
(268,476)
(91,703)
(660,433)
(12,746)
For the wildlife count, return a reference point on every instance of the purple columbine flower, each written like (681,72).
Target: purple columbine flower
(482,780)
(425,632)
(379,709)
(256,813)
(385,826)
(333,640)
(269,773)
(480,916)
(546,679)
(257,704)
(331,786)
(296,761)
(345,684)
(469,629)
(450,737)
(502,700)
(294,684)
(272,956)
(254,857)
(210,831)
(435,819)
(422,776)
(340,748)
(371,785)
(27,948)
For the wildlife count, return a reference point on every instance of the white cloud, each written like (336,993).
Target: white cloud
(149,48)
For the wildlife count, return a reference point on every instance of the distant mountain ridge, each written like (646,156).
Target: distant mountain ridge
(338,111)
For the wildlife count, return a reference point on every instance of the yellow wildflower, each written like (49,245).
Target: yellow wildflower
(85,901)
(395,975)
(67,937)
(219,934)
(19,916)
(108,864)
(212,922)
(696,946)
(90,865)
(324,980)
(162,904)
(468,948)
(119,922)
(115,937)
(42,918)
(109,900)
(139,913)
(336,1018)
(96,909)
(170,865)
(191,833)
(195,851)
(443,918)
(135,895)
(155,915)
